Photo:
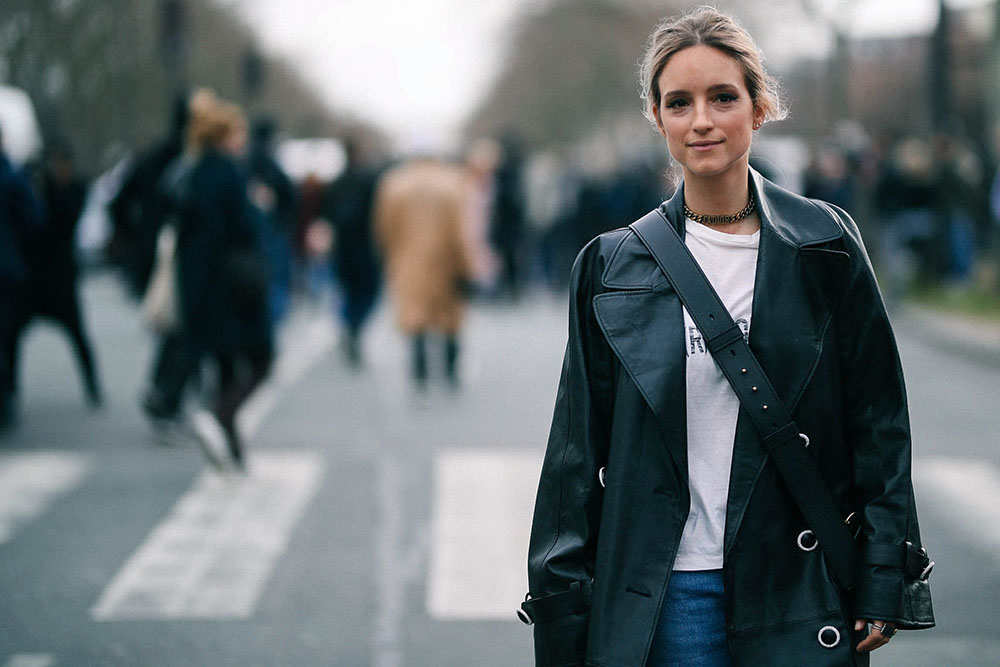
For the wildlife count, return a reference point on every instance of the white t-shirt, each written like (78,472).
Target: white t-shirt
(730,262)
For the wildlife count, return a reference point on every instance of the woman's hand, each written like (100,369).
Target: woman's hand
(875,639)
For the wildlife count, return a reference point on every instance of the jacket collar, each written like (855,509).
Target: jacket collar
(784,216)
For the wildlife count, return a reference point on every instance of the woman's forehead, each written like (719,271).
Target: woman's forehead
(700,66)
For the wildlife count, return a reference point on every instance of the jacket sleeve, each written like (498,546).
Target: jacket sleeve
(568,505)
(877,429)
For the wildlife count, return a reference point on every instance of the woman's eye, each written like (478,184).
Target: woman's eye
(725,98)
(677,103)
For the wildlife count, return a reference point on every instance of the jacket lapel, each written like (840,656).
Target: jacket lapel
(634,323)
(791,313)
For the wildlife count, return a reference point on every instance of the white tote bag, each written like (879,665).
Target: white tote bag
(160,307)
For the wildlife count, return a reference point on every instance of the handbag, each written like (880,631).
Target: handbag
(160,304)
(780,436)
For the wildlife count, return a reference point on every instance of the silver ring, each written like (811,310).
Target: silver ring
(836,636)
(880,628)
(803,534)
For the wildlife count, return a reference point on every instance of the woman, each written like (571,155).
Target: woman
(222,273)
(663,533)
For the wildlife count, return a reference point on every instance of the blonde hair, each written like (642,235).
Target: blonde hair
(211,119)
(708,26)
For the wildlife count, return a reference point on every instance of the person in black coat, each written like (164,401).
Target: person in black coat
(222,275)
(348,206)
(21,222)
(667,530)
(137,210)
(52,265)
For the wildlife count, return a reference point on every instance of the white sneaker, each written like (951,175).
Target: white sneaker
(211,437)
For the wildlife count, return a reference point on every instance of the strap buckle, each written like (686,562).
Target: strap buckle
(724,338)
(522,612)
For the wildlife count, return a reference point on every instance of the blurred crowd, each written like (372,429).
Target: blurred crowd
(929,208)
(217,244)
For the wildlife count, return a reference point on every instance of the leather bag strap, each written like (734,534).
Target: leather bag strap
(779,435)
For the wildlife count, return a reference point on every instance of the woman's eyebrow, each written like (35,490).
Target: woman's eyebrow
(713,88)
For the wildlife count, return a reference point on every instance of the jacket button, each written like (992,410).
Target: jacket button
(828,636)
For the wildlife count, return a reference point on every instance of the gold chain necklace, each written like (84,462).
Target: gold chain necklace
(722,219)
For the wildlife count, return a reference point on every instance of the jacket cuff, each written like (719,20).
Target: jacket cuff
(878,593)
(889,594)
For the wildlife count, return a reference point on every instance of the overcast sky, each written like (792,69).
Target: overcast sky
(416,68)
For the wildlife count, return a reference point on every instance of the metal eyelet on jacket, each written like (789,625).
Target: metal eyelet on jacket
(807,540)
(828,636)
(601,475)
(805,439)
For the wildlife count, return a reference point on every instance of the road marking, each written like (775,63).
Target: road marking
(31,660)
(969,490)
(482,508)
(31,481)
(212,555)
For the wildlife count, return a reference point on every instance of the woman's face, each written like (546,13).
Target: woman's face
(705,112)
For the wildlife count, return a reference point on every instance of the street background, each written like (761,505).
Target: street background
(363,578)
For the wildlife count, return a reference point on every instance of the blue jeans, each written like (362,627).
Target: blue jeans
(691,630)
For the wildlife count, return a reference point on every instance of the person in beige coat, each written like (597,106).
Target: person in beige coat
(420,218)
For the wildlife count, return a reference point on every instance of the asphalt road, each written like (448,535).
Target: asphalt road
(375,526)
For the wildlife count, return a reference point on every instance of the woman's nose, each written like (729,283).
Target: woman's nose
(702,120)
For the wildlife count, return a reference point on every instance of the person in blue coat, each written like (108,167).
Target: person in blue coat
(21,223)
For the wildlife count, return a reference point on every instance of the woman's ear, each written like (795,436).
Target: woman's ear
(759,116)
(659,122)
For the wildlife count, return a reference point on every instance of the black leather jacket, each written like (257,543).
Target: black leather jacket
(821,333)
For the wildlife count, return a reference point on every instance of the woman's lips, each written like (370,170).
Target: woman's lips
(702,146)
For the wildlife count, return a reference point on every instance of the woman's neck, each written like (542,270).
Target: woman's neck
(723,194)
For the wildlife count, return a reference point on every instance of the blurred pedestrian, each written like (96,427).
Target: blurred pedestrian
(676,520)
(348,206)
(274,196)
(313,270)
(222,278)
(137,210)
(421,209)
(507,229)
(21,222)
(958,181)
(481,161)
(53,291)
(904,198)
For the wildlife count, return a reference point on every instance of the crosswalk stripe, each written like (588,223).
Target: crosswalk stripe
(31,660)
(212,555)
(31,481)
(482,507)
(969,490)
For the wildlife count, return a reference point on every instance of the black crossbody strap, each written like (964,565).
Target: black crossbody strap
(779,434)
